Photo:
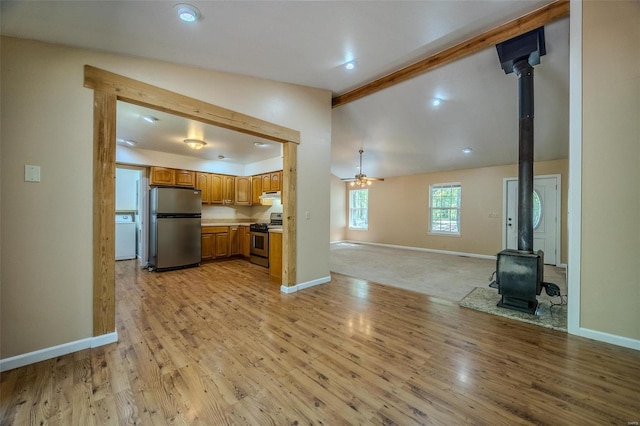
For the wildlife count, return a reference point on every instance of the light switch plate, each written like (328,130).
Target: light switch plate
(31,173)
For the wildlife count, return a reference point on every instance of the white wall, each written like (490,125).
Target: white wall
(339,209)
(127,189)
(47,120)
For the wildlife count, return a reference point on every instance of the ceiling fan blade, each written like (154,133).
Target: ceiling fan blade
(348,179)
(372,178)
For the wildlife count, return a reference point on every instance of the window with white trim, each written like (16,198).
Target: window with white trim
(359,209)
(444,208)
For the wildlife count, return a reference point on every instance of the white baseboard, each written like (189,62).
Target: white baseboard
(56,351)
(302,286)
(608,338)
(455,253)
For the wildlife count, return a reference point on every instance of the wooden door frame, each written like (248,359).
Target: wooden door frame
(108,89)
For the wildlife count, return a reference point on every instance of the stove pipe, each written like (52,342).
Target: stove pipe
(519,55)
(524,72)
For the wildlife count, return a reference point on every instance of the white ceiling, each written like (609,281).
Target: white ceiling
(307,43)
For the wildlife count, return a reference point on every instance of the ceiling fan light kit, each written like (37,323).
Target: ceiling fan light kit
(361,180)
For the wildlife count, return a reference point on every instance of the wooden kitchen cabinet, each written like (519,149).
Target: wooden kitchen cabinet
(266,182)
(228,189)
(276,181)
(207,246)
(275,256)
(185,178)
(217,195)
(162,176)
(256,189)
(244,240)
(234,242)
(215,242)
(203,183)
(243,191)
(221,244)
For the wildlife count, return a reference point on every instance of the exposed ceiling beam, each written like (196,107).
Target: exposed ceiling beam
(538,18)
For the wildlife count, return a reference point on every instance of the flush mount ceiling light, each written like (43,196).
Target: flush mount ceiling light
(187,12)
(350,65)
(467,150)
(150,118)
(195,143)
(221,157)
(436,102)
(259,144)
(126,141)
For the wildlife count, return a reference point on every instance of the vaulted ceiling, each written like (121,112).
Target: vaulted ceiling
(309,42)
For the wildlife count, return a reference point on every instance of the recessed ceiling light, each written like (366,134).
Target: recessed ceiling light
(467,150)
(188,13)
(195,143)
(350,65)
(436,102)
(259,144)
(150,118)
(221,157)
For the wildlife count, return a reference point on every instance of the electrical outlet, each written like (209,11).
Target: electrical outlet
(307,215)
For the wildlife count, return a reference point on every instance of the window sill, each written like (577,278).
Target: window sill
(358,229)
(443,234)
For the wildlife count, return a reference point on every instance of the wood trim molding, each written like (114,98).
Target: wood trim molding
(108,89)
(104,228)
(538,18)
(289,229)
(143,94)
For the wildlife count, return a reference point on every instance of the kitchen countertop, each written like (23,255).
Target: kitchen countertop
(275,230)
(226,223)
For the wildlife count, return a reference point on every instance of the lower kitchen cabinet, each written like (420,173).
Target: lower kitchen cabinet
(244,239)
(275,256)
(215,242)
(234,242)
(207,246)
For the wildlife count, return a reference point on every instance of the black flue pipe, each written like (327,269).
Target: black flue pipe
(524,71)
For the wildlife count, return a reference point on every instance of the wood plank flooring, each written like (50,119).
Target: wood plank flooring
(220,345)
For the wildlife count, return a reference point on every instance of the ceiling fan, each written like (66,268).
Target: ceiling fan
(361,179)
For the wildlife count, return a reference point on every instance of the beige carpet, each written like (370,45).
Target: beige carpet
(439,275)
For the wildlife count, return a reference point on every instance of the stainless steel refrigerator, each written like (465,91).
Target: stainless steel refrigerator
(175,229)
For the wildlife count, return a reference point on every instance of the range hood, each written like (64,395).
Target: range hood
(270,195)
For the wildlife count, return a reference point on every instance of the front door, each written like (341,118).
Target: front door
(546,226)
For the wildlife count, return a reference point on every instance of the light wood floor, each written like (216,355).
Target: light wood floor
(220,344)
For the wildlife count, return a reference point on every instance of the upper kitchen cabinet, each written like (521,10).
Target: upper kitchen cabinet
(172,177)
(216,189)
(256,189)
(266,182)
(276,181)
(162,176)
(203,183)
(243,191)
(185,178)
(228,189)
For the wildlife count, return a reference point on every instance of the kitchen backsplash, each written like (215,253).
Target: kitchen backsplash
(240,213)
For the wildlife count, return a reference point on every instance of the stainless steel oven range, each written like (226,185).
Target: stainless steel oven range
(259,253)
(259,244)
